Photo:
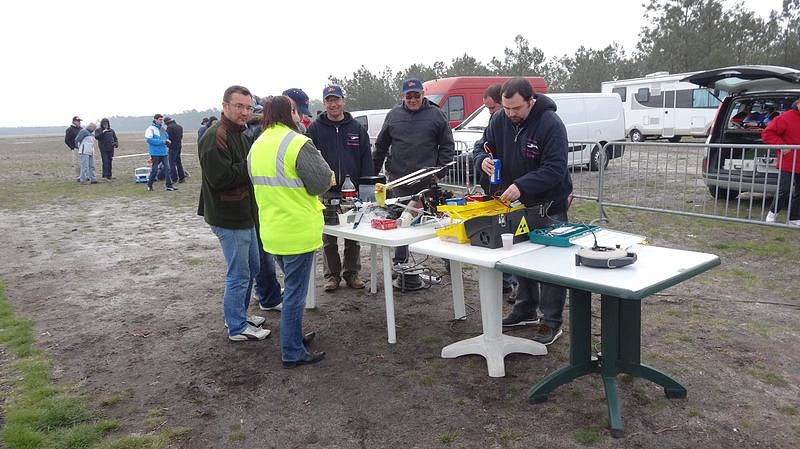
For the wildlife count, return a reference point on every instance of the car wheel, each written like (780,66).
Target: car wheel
(636,136)
(675,139)
(723,194)
(594,161)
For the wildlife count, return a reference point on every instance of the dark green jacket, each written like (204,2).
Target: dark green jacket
(226,193)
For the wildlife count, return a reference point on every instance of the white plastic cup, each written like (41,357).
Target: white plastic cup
(508,240)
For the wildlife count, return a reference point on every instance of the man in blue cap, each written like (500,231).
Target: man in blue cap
(419,135)
(301,100)
(345,145)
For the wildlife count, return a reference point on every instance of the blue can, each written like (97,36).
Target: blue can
(496,175)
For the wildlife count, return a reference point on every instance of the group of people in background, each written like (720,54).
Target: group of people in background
(81,142)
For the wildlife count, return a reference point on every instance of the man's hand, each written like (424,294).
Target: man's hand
(487,165)
(511,194)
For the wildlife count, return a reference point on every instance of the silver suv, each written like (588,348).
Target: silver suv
(757,94)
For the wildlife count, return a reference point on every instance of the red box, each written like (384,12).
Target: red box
(384,223)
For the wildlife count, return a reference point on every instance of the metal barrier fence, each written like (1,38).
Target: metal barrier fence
(732,182)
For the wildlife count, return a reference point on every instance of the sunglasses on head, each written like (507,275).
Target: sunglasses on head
(413,95)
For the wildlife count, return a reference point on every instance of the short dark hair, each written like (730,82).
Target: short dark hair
(157,116)
(518,85)
(235,89)
(493,92)
(278,109)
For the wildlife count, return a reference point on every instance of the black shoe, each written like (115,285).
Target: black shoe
(546,334)
(181,180)
(309,337)
(513,320)
(311,357)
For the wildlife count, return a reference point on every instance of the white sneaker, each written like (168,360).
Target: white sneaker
(250,333)
(253,320)
(794,222)
(277,308)
(770,217)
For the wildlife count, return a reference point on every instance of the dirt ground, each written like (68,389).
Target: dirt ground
(124,288)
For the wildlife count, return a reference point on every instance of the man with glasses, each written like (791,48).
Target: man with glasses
(228,206)
(415,135)
(345,145)
(531,143)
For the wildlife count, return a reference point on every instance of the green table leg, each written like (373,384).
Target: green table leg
(612,401)
(580,349)
(609,368)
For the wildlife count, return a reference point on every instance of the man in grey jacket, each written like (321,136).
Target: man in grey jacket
(415,135)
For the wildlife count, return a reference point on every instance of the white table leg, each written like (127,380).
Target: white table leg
(311,295)
(373,268)
(388,290)
(459,310)
(492,344)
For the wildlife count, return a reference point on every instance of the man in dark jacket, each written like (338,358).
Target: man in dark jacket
(175,133)
(530,141)
(107,141)
(69,140)
(415,135)
(228,206)
(345,145)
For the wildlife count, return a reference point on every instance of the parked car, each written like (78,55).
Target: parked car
(756,94)
(371,120)
(588,117)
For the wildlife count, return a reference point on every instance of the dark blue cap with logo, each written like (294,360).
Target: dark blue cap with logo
(300,98)
(335,91)
(412,85)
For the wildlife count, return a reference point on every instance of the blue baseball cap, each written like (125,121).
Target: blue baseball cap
(300,98)
(412,85)
(335,91)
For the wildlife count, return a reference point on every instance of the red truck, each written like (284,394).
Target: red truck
(461,95)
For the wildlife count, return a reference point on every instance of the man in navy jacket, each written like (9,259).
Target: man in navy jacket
(345,145)
(531,142)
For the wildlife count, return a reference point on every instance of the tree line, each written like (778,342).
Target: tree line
(678,36)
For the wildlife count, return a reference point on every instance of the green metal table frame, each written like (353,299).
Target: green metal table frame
(621,329)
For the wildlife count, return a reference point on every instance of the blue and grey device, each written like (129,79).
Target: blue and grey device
(496,174)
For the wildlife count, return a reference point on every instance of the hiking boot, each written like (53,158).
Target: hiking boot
(546,334)
(250,333)
(354,282)
(331,284)
(311,357)
(771,217)
(513,320)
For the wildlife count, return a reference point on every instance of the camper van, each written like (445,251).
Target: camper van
(660,105)
(459,96)
(371,120)
(588,117)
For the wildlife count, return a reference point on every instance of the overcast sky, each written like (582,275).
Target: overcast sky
(98,59)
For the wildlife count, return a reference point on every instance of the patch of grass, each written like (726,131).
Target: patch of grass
(789,410)
(193,261)
(40,415)
(508,436)
(426,380)
(431,339)
(448,437)
(695,411)
(111,400)
(767,377)
(588,435)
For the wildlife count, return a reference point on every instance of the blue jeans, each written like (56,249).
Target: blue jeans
(296,271)
(176,164)
(240,248)
(267,288)
(87,168)
(154,170)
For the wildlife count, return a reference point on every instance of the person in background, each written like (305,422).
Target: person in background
(785,130)
(419,136)
(530,141)
(288,173)
(227,205)
(210,122)
(157,140)
(85,142)
(107,141)
(300,98)
(69,140)
(175,133)
(202,128)
(346,148)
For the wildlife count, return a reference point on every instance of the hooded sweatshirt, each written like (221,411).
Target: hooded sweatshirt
(344,145)
(533,154)
(106,137)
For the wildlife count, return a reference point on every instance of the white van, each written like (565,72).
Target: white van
(588,117)
(371,120)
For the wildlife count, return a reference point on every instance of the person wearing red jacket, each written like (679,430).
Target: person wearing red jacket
(785,130)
